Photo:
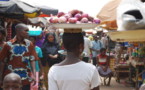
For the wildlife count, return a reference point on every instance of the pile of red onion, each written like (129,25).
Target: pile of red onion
(74,16)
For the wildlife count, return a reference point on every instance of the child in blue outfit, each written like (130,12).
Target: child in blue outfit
(37,64)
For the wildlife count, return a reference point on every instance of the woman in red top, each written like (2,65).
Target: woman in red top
(103,65)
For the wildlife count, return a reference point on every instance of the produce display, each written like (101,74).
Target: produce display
(73,17)
(142,51)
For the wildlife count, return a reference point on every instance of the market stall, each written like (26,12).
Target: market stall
(135,64)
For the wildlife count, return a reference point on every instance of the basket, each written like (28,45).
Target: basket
(34,33)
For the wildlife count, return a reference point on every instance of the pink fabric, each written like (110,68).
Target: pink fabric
(36,86)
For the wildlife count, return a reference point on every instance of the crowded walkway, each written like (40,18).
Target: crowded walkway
(42,48)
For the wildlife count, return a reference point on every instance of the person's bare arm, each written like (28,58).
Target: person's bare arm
(96,88)
(33,68)
(41,70)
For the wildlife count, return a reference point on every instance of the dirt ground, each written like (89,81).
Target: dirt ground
(116,86)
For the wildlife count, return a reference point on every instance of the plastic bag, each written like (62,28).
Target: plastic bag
(131,15)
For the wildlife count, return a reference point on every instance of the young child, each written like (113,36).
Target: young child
(12,81)
(38,65)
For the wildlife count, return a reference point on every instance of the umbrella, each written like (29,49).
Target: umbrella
(17,9)
(128,36)
(47,11)
(38,20)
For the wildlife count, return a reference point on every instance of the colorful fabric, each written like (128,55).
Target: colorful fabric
(104,73)
(102,59)
(39,42)
(39,53)
(16,56)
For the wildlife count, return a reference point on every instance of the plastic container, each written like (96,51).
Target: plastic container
(34,33)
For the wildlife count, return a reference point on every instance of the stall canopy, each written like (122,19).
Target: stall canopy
(108,12)
(47,11)
(127,36)
(17,9)
(38,20)
(107,15)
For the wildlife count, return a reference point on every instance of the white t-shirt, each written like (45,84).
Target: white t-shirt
(87,46)
(78,76)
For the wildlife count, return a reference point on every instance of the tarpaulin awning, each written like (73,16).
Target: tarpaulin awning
(38,20)
(108,12)
(127,36)
(109,25)
(48,10)
(107,15)
(17,9)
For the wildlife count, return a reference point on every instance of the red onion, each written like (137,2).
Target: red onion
(54,20)
(72,20)
(84,20)
(90,18)
(60,14)
(97,21)
(62,19)
(74,12)
(50,20)
(85,15)
(78,16)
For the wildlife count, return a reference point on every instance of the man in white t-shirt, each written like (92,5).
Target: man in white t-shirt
(87,47)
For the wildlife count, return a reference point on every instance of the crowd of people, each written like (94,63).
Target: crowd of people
(35,59)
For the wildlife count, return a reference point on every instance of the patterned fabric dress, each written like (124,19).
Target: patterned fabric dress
(16,57)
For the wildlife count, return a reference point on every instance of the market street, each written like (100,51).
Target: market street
(116,86)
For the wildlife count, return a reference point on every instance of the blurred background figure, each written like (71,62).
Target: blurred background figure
(96,47)
(118,51)
(87,48)
(40,39)
(104,40)
(103,66)
(50,54)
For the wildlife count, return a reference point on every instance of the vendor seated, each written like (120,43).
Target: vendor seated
(103,65)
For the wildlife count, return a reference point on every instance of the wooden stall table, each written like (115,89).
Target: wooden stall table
(138,77)
(121,71)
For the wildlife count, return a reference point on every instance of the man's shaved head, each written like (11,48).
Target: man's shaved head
(20,27)
(22,30)
(12,77)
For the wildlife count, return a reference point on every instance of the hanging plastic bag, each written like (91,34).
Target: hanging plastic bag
(131,15)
